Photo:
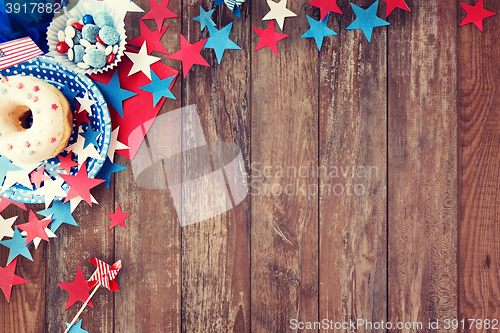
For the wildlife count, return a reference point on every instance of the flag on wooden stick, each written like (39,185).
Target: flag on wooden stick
(17,51)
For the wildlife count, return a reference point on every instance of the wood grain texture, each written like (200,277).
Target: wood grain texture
(422,163)
(284,218)
(479,232)
(353,148)
(215,252)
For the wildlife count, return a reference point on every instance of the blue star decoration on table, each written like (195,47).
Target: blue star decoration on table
(90,137)
(61,213)
(70,95)
(159,88)
(318,30)
(77,328)
(205,18)
(107,169)
(5,166)
(114,94)
(17,246)
(366,19)
(219,41)
(231,4)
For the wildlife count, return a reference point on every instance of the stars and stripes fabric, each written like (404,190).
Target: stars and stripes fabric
(232,3)
(105,275)
(17,51)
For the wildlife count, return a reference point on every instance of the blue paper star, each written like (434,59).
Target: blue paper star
(17,246)
(5,166)
(90,137)
(205,18)
(107,169)
(70,95)
(366,19)
(77,328)
(159,88)
(219,41)
(114,94)
(318,30)
(61,213)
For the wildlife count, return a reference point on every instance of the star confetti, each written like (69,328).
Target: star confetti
(318,30)
(189,54)
(114,144)
(108,169)
(78,289)
(8,279)
(35,228)
(77,328)
(80,185)
(159,12)
(142,61)
(90,136)
(476,14)
(269,37)
(366,20)
(66,163)
(16,246)
(38,176)
(81,117)
(38,240)
(219,41)
(20,177)
(205,18)
(114,94)
(70,95)
(118,218)
(5,166)
(326,6)
(6,227)
(278,12)
(60,213)
(83,153)
(392,4)
(159,88)
(4,203)
(50,190)
(152,37)
(123,6)
(105,275)
(85,103)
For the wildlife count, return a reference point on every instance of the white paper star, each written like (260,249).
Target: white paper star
(142,61)
(50,190)
(278,12)
(6,227)
(85,103)
(83,153)
(124,6)
(19,176)
(73,203)
(38,240)
(114,144)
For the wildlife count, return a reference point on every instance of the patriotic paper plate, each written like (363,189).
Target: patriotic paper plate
(49,70)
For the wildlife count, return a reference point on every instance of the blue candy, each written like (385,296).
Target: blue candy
(109,36)
(78,36)
(103,19)
(96,58)
(79,53)
(90,32)
(88,19)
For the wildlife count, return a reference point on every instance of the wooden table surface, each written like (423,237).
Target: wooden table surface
(418,106)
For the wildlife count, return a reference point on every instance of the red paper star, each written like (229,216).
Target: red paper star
(118,218)
(269,37)
(326,6)
(4,203)
(9,279)
(475,14)
(81,117)
(159,12)
(189,54)
(66,163)
(392,4)
(78,289)
(37,177)
(80,185)
(35,228)
(152,37)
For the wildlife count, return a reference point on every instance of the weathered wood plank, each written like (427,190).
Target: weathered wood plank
(479,232)
(353,148)
(284,106)
(215,252)
(422,163)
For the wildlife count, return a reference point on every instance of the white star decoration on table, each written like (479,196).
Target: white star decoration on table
(114,144)
(141,61)
(83,153)
(85,103)
(278,12)
(6,227)
(20,177)
(38,240)
(50,190)
(76,201)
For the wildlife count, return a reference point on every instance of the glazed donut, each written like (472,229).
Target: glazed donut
(52,123)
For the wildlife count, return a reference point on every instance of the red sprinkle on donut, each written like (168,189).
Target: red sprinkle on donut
(54,106)
(52,140)
(36,88)
(28,144)
(9,147)
(20,85)
(35,99)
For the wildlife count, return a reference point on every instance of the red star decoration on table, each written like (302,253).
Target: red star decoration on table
(152,37)
(66,163)
(159,12)
(37,177)
(475,14)
(78,289)
(269,37)
(81,117)
(9,279)
(326,6)
(189,54)
(392,4)
(35,228)
(4,203)
(80,185)
(118,218)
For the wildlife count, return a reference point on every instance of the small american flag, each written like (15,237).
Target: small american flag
(18,51)
(105,275)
